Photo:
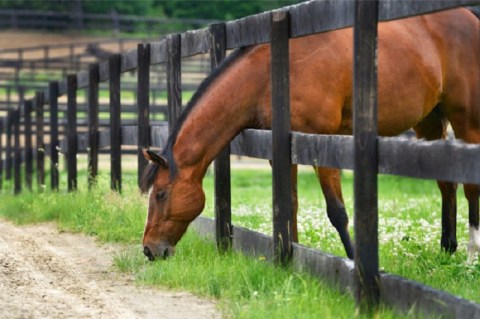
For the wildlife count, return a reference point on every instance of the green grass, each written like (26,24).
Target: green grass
(252,288)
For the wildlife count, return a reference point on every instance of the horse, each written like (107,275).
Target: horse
(428,76)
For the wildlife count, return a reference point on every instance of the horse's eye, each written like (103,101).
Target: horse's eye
(161,195)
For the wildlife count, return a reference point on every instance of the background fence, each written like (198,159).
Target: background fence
(79,21)
(460,165)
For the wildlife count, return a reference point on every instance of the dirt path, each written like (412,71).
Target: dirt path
(47,274)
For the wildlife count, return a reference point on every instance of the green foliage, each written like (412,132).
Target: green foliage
(129,7)
(220,9)
(53,5)
(207,9)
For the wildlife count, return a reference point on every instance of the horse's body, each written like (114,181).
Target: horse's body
(428,75)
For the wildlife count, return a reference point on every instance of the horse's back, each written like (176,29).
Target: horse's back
(422,61)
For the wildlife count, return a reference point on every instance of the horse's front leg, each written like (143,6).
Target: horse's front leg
(472,193)
(330,182)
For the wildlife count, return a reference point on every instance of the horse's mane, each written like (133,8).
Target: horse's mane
(151,170)
(475,11)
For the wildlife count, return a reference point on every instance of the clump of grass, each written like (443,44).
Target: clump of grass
(244,287)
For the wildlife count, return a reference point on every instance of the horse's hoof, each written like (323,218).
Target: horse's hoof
(449,245)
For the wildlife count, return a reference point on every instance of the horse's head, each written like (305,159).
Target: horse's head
(174,200)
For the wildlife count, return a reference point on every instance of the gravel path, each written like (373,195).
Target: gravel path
(48,274)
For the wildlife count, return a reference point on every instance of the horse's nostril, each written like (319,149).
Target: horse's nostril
(166,253)
(147,252)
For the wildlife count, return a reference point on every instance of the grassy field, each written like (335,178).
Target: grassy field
(251,288)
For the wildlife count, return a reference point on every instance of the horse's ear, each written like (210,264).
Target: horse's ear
(155,158)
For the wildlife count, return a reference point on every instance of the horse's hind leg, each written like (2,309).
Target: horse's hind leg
(463,112)
(470,133)
(331,187)
(472,194)
(433,127)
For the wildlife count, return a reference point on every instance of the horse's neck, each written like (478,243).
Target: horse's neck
(224,109)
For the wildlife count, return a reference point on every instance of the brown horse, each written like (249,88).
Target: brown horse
(429,75)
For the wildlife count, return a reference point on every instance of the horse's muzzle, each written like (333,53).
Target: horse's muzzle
(162,250)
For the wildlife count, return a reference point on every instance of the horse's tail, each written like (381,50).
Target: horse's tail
(475,11)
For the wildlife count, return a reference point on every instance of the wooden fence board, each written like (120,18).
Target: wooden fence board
(53,102)
(222,188)
(104,73)
(323,150)
(195,42)
(17,186)
(93,123)
(320,16)
(253,143)
(143,102)
(27,114)
(40,152)
(397,155)
(365,130)
(158,52)
(445,160)
(130,135)
(390,10)
(174,79)
(115,123)
(423,301)
(8,145)
(159,136)
(129,60)
(281,143)
(72,138)
(83,79)
(249,30)
(2,130)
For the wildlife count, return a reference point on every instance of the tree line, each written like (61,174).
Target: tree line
(198,9)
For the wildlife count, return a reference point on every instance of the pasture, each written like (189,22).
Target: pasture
(409,231)
(367,153)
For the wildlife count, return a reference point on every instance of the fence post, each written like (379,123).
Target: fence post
(143,102)
(8,147)
(281,141)
(115,123)
(223,210)
(53,101)
(366,155)
(72,132)
(174,78)
(93,79)
(27,109)
(2,125)
(39,100)
(18,156)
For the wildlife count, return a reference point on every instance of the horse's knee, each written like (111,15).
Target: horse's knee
(338,217)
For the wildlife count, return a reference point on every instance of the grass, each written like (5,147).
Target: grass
(252,288)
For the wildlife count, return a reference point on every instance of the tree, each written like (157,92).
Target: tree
(219,9)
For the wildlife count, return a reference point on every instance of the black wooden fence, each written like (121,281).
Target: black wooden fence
(450,161)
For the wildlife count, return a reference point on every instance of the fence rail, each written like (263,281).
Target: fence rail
(448,160)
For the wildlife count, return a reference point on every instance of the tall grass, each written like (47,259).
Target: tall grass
(251,288)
